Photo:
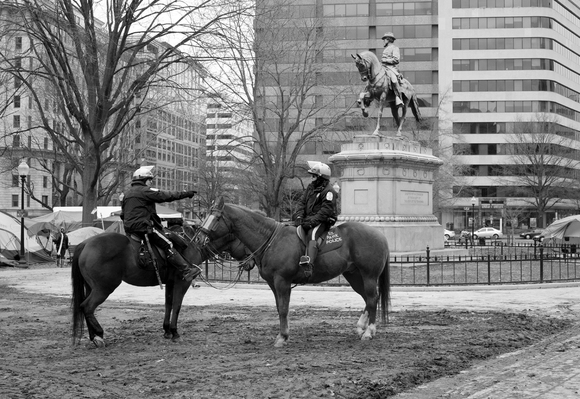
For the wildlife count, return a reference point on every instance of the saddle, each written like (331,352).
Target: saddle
(146,259)
(328,241)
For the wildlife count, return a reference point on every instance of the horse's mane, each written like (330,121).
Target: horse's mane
(369,56)
(255,211)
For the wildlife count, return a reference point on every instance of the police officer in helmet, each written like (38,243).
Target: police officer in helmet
(140,217)
(317,212)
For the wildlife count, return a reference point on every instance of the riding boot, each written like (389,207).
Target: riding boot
(188,271)
(307,261)
(397,92)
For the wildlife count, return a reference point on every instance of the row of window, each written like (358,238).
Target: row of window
(365,32)
(512,149)
(510,64)
(407,54)
(509,127)
(507,170)
(382,9)
(502,23)
(503,43)
(16,200)
(515,85)
(460,107)
(501,3)
(17,142)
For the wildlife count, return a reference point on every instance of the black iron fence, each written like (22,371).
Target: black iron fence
(494,263)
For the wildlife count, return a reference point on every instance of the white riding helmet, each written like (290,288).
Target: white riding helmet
(319,169)
(143,173)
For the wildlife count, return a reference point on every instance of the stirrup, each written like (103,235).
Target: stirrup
(304,260)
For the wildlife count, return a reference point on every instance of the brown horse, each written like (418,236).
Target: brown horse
(101,262)
(379,88)
(363,259)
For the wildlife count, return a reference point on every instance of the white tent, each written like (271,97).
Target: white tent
(564,228)
(10,241)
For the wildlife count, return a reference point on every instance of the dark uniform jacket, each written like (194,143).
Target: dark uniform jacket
(318,205)
(138,208)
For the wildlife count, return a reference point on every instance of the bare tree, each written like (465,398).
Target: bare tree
(89,78)
(541,164)
(271,71)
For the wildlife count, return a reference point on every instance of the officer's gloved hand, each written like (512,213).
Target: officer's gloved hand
(190,194)
(298,222)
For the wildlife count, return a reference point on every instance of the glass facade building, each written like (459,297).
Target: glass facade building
(483,69)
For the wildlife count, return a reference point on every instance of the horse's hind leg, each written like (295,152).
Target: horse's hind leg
(89,305)
(355,280)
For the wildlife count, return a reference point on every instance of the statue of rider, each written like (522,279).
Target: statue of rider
(390,59)
(317,212)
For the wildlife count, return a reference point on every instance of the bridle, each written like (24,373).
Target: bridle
(212,220)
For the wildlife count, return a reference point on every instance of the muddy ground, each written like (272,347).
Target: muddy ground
(228,352)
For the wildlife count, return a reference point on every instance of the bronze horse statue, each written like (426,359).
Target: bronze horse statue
(363,260)
(102,262)
(379,88)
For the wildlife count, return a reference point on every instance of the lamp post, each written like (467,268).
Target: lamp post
(473,201)
(23,169)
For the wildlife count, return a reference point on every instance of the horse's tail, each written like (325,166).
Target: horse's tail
(414,104)
(78,295)
(385,291)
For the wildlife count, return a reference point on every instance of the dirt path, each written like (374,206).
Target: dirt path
(227,350)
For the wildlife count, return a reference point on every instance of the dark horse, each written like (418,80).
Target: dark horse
(101,262)
(363,259)
(379,88)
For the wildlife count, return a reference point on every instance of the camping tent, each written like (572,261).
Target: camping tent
(10,241)
(79,235)
(54,221)
(564,228)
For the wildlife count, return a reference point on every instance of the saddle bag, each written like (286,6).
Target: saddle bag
(145,257)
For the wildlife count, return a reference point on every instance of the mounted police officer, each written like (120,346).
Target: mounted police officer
(390,60)
(140,217)
(317,212)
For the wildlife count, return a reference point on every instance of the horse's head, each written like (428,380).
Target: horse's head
(213,226)
(363,66)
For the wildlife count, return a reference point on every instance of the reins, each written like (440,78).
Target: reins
(210,249)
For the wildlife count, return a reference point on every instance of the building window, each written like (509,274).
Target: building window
(46,143)
(16,141)
(44,181)
(16,101)
(15,200)
(18,43)
(15,180)
(16,121)
(45,199)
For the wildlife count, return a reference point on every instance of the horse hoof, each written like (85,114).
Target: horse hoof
(167,335)
(176,338)
(366,337)
(280,341)
(99,342)
(360,331)
(365,114)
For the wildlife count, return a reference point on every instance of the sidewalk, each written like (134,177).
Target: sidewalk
(545,370)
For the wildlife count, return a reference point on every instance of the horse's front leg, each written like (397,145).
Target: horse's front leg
(380,114)
(179,291)
(168,307)
(361,103)
(282,293)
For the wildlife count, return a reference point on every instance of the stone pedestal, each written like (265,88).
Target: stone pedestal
(387,183)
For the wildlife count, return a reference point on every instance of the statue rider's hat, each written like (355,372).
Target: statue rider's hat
(389,34)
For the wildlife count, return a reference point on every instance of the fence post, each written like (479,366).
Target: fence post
(541,263)
(489,269)
(206,269)
(428,271)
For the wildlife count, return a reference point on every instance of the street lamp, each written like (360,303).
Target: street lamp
(473,201)
(23,169)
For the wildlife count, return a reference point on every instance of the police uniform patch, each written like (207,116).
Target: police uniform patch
(329,196)
(153,189)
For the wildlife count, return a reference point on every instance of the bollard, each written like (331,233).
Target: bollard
(428,271)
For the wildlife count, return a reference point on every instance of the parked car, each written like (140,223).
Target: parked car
(531,234)
(487,232)
(448,234)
